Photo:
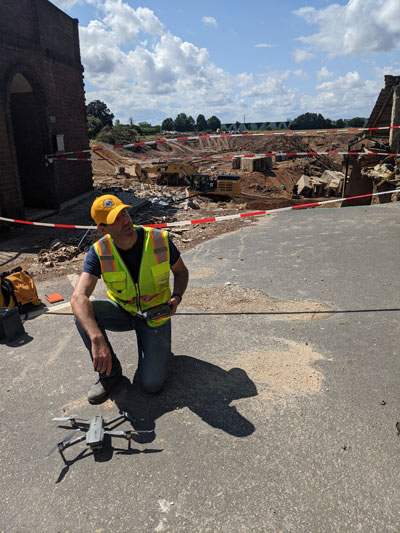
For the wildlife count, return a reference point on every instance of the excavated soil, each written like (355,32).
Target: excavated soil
(47,253)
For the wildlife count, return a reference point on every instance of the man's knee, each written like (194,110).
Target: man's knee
(153,385)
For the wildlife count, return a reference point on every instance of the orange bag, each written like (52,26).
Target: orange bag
(18,290)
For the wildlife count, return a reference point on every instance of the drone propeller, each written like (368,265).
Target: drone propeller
(67,418)
(118,433)
(65,439)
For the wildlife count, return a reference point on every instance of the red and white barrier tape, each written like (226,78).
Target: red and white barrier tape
(206,220)
(271,154)
(220,136)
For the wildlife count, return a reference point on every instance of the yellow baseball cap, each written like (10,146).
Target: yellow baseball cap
(105,209)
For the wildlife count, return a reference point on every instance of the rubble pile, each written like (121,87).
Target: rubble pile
(330,183)
(387,171)
(58,253)
(319,164)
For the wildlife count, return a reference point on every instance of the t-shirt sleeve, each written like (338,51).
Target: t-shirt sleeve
(92,263)
(174,253)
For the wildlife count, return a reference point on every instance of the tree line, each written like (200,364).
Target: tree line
(314,121)
(102,128)
(184,123)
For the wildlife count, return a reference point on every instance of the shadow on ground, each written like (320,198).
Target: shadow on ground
(204,388)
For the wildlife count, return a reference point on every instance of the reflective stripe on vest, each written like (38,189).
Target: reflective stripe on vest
(106,255)
(159,246)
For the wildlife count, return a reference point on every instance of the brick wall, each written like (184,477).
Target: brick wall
(44,48)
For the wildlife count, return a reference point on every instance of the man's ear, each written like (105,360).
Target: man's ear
(101,229)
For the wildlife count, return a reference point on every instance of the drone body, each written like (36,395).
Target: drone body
(95,435)
(94,432)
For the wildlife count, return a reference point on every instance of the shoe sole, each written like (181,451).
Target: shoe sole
(98,401)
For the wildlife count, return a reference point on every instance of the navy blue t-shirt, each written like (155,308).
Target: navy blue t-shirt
(131,257)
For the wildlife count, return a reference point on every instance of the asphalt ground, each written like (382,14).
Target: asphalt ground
(270,421)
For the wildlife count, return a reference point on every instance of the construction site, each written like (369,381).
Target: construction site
(197,179)
(279,406)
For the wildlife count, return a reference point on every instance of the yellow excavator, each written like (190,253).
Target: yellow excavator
(166,173)
(183,174)
(213,186)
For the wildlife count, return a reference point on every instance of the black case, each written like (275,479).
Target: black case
(11,327)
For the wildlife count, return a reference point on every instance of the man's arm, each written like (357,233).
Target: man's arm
(83,311)
(181,277)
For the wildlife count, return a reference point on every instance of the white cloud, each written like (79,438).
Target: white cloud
(210,21)
(301,55)
(359,27)
(350,81)
(153,70)
(299,73)
(125,23)
(66,4)
(324,73)
(135,65)
(264,45)
(347,96)
(271,83)
(244,79)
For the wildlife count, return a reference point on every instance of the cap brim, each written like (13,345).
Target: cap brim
(115,212)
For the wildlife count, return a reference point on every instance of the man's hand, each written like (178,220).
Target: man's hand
(174,302)
(181,276)
(102,359)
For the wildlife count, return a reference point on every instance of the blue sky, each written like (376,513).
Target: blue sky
(266,60)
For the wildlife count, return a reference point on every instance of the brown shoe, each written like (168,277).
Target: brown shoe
(101,390)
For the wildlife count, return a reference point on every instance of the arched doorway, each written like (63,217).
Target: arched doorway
(28,119)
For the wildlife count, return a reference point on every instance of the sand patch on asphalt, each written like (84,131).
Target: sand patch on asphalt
(201,273)
(285,370)
(74,407)
(236,300)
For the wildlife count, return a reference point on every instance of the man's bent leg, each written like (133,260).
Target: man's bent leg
(109,316)
(154,347)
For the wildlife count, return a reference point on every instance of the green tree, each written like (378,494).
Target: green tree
(125,134)
(181,123)
(167,124)
(99,109)
(213,123)
(339,123)
(329,124)
(118,134)
(147,129)
(106,135)
(356,122)
(201,123)
(309,121)
(94,126)
(190,123)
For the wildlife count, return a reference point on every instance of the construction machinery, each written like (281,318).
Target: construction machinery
(219,186)
(166,173)
(183,174)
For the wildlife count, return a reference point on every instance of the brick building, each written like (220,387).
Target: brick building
(42,107)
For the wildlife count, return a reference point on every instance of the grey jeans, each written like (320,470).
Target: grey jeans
(154,344)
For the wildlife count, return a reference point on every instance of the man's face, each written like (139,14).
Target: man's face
(122,226)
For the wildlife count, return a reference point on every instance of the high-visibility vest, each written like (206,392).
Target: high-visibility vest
(153,283)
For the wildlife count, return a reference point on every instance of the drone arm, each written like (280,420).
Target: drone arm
(116,419)
(122,434)
(61,447)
